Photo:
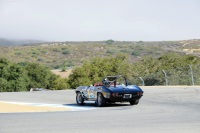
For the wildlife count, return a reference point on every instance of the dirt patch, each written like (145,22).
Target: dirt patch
(15,108)
(62,74)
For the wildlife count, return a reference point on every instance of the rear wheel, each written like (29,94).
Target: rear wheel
(100,100)
(134,102)
(79,99)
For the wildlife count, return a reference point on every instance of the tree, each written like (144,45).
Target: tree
(64,65)
(38,75)
(98,68)
(23,76)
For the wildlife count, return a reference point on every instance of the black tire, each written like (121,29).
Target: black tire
(111,102)
(134,102)
(101,101)
(79,99)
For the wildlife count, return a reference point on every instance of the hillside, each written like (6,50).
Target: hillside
(9,42)
(69,54)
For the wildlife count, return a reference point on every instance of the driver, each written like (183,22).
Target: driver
(106,82)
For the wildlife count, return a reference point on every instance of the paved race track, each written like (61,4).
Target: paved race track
(161,110)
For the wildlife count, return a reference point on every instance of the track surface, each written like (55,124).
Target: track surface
(161,110)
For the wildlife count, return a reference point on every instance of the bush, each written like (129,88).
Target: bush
(66,52)
(110,41)
(110,51)
(135,53)
(60,84)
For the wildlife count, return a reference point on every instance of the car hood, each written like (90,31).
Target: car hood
(125,89)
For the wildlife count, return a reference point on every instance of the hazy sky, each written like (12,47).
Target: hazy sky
(93,20)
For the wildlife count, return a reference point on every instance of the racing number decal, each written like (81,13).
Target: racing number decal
(91,92)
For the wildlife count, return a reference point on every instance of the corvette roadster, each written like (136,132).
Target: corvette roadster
(112,89)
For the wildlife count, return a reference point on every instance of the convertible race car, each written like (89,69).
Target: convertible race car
(112,89)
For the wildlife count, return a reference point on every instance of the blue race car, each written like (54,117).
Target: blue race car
(112,89)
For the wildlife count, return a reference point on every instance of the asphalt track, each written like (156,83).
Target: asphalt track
(161,110)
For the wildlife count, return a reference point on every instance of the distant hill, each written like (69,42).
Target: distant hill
(13,42)
(71,54)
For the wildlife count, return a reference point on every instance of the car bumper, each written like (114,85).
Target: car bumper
(121,98)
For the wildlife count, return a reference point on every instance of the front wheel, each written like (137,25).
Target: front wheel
(100,100)
(79,99)
(134,102)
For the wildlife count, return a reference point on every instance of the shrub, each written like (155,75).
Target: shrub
(66,52)
(135,53)
(110,41)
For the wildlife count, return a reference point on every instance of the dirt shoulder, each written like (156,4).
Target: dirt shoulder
(15,108)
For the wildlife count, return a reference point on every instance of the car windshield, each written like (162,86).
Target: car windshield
(115,80)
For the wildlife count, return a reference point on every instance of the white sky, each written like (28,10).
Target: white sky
(96,20)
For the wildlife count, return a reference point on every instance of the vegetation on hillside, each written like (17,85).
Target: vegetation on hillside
(150,69)
(72,54)
(25,67)
(23,76)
